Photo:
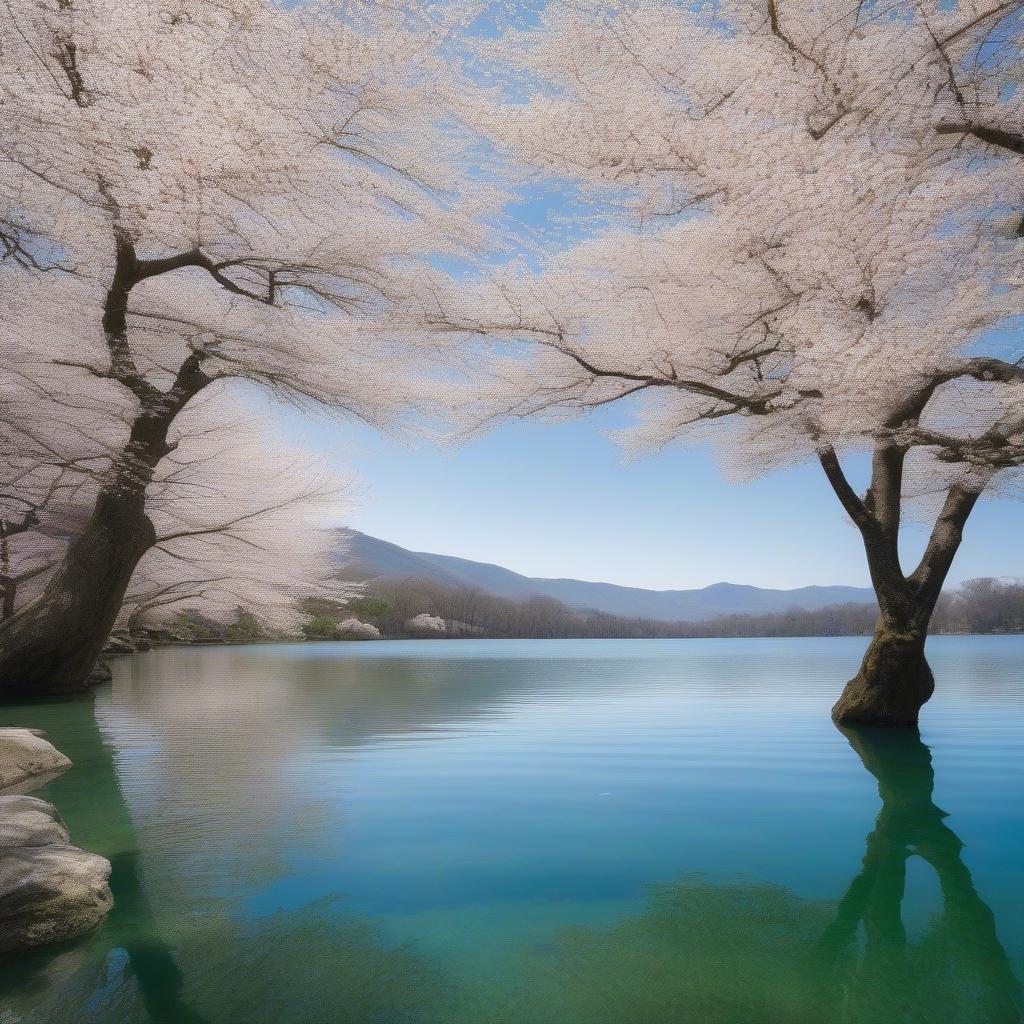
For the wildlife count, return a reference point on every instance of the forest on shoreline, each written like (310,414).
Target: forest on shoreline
(420,608)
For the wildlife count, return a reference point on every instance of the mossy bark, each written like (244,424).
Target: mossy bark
(893,683)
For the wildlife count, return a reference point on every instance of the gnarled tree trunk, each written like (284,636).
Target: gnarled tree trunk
(894,680)
(53,643)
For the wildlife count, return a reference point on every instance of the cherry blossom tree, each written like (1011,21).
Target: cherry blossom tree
(354,629)
(817,251)
(427,623)
(193,192)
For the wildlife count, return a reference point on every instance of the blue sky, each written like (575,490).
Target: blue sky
(562,500)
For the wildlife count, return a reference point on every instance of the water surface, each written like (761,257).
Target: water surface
(539,832)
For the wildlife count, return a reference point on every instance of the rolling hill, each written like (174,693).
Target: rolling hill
(369,558)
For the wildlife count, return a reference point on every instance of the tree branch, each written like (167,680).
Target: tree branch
(848,497)
(946,535)
(1011,141)
(981,368)
(885,493)
(197,258)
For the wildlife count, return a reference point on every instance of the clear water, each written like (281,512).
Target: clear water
(550,832)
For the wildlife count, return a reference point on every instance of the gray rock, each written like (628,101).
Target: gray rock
(24,755)
(28,821)
(120,643)
(49,894)
(99,675)
(49,890)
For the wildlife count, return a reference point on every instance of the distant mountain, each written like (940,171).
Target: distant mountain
(370,558)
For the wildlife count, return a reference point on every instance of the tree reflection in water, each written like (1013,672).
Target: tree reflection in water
(704,953)
(960,962)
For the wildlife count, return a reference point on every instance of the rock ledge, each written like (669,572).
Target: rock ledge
(25,754)
(49,890)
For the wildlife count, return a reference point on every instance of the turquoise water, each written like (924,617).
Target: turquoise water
(539,832)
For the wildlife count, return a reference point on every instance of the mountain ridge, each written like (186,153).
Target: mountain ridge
(372,558)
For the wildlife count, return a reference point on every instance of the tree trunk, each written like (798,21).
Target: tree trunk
(894,681)
(51,645)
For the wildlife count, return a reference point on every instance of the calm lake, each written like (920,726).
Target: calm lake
(538,832)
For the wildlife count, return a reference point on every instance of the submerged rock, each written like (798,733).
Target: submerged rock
(25,754)
(50,893)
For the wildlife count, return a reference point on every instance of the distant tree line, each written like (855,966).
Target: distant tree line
(393,607)
(983,606)
(978,606)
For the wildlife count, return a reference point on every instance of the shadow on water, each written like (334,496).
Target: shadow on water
(711,953)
